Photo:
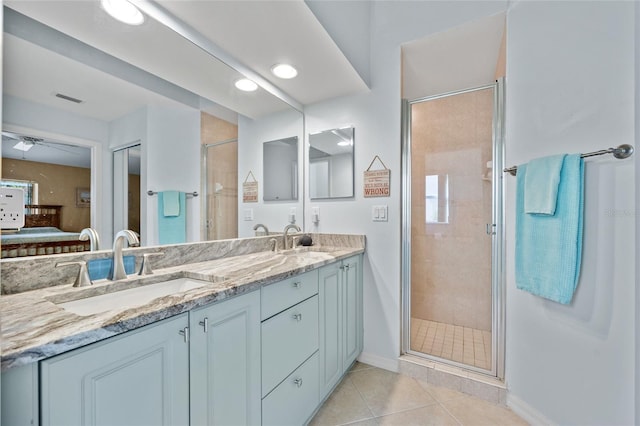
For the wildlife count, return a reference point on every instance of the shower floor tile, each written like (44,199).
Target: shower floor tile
(453,342)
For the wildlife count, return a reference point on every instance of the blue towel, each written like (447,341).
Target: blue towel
(172,229)
(171,203)
(549,248)
(541,184)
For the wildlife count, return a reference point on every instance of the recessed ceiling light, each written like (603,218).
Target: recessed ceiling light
(23,146)
(246,85)
(285,71)
(345,143)
(123,11)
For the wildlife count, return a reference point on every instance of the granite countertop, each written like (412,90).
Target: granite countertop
(35,328)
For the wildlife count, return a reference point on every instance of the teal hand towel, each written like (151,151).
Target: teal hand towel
(171,203)
(541,184)
(549,247)
(172,229)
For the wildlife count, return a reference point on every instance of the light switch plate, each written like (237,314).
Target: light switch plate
(11,208)
(248,214)
(379,213)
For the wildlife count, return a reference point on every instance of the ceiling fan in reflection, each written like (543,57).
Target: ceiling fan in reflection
(25,143)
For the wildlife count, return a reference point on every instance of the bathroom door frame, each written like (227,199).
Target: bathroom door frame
(497,244)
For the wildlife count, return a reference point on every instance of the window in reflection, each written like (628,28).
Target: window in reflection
(437,198)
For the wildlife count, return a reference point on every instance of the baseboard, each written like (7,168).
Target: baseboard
(378,361)
(527,412)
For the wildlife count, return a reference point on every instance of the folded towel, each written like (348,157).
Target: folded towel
(541,184)
(172,229)
(549,248)
(171,203)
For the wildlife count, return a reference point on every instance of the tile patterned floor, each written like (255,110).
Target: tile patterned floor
(457,343)
(371,396)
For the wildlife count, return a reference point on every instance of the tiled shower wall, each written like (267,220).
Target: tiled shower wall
(451,262)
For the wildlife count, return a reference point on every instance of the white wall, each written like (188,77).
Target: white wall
(251,135)
(376,118)
(570,88)
(171,156)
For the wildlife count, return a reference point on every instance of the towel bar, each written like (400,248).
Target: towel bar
(189,194)
(621,152)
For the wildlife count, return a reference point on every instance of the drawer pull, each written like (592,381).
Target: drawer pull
(205,324)
(297,284)
(185,332)
(297,317)
(298,382)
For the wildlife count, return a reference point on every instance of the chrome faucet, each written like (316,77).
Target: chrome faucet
(91,235)
(259,225)
(286,232)
(117,270)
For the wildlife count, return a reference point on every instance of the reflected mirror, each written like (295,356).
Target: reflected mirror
(331,164)
(116,87)
(280,168)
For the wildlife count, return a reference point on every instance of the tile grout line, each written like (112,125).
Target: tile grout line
(363,398)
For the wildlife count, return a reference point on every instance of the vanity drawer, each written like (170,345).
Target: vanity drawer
(287,340)
(295,399)
(286,293)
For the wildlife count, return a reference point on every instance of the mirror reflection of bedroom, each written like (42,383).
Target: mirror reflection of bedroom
(56,180)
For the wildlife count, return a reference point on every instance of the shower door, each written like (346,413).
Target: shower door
(220,165)
(452,228)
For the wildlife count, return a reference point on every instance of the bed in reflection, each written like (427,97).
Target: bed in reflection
(41,235)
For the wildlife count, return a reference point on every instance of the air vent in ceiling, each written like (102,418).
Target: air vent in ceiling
(31,139)
(68,98)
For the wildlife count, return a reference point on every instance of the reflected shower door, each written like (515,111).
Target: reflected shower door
(452,227)
(221,170)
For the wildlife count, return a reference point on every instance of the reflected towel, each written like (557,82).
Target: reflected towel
(171,203)
(541,184)
(549,248)
(172,229)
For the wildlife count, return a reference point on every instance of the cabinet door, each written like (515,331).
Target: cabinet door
(225,362)
(331,336)
(20,396)
(138,378)
(351,310)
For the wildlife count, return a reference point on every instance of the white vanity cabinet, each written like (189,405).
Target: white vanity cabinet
(290,386)
(225,362)
(138,378)
(341,328)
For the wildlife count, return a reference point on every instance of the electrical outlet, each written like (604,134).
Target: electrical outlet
(292,215)
(315,215)
(11,208)
(248,214)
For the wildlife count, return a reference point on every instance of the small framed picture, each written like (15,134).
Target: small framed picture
(83,197)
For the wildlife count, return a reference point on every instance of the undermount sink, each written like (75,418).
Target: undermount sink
(130,298)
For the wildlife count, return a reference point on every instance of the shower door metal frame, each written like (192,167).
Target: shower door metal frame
(497,242)
(204,184)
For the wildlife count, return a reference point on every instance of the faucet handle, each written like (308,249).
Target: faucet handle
(274,244)
(82,279)
(145,268)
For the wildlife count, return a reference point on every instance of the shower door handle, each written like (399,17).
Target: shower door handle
(491,229)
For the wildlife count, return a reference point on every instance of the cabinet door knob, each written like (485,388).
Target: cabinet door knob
(298,382)
(297,284)
(185,332)
(297,317)
(205,324)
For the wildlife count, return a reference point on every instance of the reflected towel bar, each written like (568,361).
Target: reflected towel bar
(621,152)
(189,194)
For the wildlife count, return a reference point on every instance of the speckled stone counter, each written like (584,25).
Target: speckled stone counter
(35,327)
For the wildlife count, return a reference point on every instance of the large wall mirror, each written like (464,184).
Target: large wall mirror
(76,74)
(331,164)
(280,168)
